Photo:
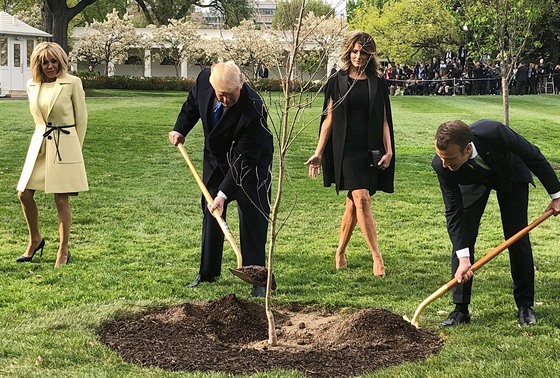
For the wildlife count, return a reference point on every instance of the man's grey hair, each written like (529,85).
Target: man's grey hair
(226,76)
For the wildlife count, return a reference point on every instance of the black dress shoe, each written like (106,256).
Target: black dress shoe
(258,291)
(456,318)
(199,279)
(527,316)
(24,258)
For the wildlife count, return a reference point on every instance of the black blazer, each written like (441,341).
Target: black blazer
(336,89)
(240,145)
(522,73)
(511,158)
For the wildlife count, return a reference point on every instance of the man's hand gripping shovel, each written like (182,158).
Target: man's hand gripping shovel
(253,274)
(477,265)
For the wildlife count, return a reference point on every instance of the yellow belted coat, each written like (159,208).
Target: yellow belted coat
(64,164)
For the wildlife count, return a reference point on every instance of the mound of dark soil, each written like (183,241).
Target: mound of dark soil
(370,327)
(229,335)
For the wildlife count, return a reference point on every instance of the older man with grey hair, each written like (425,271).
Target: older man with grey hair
(238,152)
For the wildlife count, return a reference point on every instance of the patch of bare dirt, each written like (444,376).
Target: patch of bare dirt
(230,335)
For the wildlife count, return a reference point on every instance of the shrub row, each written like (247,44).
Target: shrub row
(92,80)
(136,83)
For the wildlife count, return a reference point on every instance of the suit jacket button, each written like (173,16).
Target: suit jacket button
(49,137)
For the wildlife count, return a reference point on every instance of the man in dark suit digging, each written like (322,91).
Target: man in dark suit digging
(470,162)
(237,163)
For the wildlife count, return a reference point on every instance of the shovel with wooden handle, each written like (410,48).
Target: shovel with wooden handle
(478,264)
(253,274)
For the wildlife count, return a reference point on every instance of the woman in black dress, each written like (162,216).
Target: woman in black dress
(355,127)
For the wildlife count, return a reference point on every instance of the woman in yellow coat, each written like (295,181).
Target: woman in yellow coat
(54,162)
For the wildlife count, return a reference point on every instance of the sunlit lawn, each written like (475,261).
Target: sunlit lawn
(136,234)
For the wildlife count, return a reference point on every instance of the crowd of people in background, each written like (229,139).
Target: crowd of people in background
(455,74)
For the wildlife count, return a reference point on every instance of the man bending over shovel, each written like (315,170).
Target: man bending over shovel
(237,158)
(470,162)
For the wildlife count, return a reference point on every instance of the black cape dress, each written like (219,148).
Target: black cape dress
(357,126)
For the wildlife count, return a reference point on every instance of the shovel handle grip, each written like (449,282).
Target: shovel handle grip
(478,264)
(216,213)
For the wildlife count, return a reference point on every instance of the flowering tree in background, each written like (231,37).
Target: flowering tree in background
(31,16)
(250,47)
(106,42)
(177,40)
(208,52)
(322,35)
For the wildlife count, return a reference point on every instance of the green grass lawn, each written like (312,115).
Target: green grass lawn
(136,235)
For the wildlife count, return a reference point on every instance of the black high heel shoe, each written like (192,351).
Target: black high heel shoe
(24,258)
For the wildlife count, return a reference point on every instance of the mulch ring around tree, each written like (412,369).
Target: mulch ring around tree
(230,335)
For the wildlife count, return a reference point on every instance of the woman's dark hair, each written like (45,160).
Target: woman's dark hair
(369,47)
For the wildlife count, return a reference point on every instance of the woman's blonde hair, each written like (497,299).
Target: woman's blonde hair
(226,76)
(39,56)
(368,46)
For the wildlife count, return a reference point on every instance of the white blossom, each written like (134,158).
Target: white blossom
(178,40)
(107,41)
(250,47)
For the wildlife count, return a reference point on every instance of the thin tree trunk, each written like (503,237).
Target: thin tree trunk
(283,144)
(505,99)
(272,338)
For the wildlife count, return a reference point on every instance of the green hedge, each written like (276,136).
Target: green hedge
(266,85)
(135,83)
(275,85)
(92,80)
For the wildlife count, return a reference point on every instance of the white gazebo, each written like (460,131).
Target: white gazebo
(17,40)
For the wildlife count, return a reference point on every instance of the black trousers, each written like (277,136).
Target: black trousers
(513,210)
(253,208)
